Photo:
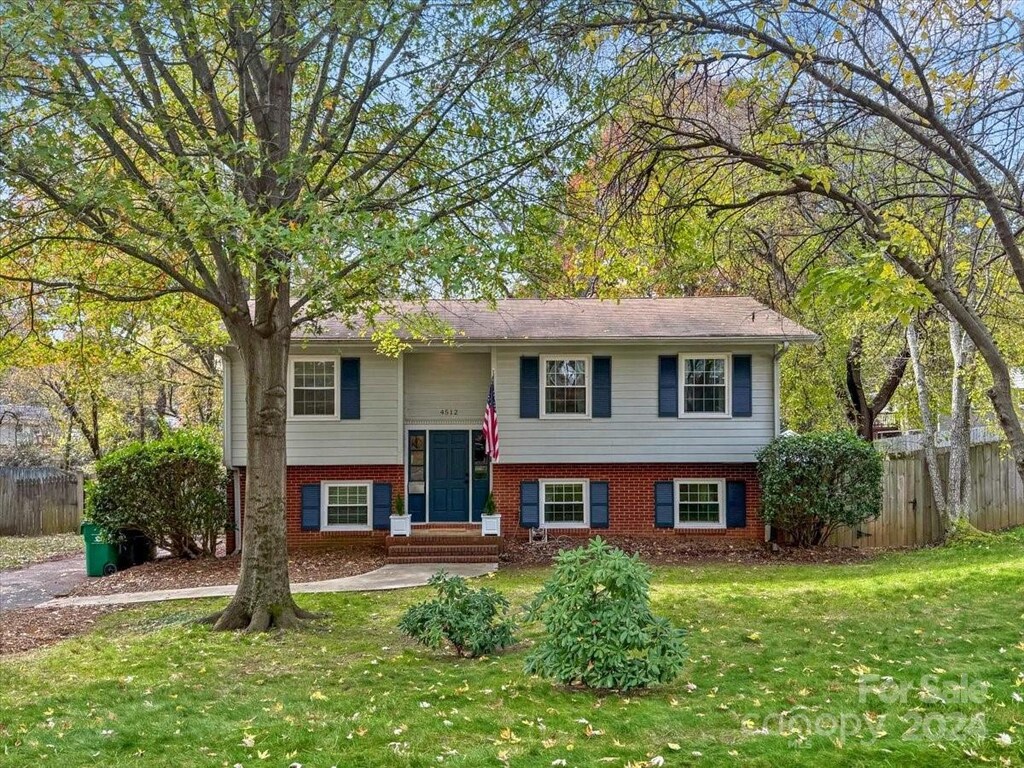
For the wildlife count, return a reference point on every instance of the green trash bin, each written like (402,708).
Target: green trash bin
(100,556)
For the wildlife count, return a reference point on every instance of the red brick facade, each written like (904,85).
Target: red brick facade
(630,491)
(630,495)
(304,475)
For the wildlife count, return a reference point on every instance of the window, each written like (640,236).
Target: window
(705,385)
(314,388)
(345,506)
(566,385)
(564,503)
(417,461)
(700,504)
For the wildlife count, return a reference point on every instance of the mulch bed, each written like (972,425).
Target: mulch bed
(673,550)
(175,573)
(26,628)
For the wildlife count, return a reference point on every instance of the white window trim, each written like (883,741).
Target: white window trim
(683,357)
(543,386)
(325,484)
(337,387)
(586,502)
(720,482)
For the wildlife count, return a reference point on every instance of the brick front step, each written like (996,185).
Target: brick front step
(444,548)
(446,540)
(412,550)
(400,560)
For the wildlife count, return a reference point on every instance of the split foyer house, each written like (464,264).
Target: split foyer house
(639,417)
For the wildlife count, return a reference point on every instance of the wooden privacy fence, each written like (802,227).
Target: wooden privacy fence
(36,501)
(909,516)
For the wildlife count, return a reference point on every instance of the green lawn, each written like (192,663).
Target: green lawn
(773,649)
(16,551)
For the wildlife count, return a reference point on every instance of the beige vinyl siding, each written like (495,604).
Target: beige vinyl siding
(374,438)
(446,386)
(635,432)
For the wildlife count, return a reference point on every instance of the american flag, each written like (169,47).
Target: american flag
(491,425)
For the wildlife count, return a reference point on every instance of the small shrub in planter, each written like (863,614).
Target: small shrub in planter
(600,631)
(474,622)
(171,490)
(813,484)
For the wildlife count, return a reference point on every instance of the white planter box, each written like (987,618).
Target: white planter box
(490,525)
(401,525)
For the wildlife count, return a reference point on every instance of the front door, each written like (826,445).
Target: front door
(448,483)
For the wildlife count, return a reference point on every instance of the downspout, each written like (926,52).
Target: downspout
(776,407)
(777,387)
(236,477)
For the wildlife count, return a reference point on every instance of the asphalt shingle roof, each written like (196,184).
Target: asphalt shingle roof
(699,317)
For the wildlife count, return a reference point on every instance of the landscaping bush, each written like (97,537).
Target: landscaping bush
(813,484)
(600,629)
(172,490)
(473,621)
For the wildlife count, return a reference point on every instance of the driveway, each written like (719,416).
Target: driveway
(35,584)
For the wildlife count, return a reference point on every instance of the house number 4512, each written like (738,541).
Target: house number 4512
(449,411)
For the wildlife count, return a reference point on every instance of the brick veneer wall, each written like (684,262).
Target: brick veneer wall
(630,495)
(305,475)
(630,498)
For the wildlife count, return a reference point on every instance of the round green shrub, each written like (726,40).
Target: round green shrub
(171,489)
(600,631)
(813,484)
(473,621)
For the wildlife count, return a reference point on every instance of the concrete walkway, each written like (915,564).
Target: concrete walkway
(387,577)
(34,584)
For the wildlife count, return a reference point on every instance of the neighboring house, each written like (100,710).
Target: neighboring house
(25,425)
(636,417)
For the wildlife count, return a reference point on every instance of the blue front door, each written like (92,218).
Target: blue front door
(448,484)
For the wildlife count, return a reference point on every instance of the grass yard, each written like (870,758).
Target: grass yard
(18,551)
(777,654)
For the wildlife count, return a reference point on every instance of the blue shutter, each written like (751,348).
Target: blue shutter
(381,506)
(735,504)
(529,387)
(668,385)
(310,519)
(664,497)
(742,387)
(599,505)
(601,389)
(350,388)
(529,504)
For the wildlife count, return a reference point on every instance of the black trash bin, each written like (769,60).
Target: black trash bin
(134,548)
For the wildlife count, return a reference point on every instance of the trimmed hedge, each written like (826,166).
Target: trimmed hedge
(812,484)
(171,489)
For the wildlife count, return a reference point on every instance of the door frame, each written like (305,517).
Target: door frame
(427,429)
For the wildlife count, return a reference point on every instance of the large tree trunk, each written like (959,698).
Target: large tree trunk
(263,599)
